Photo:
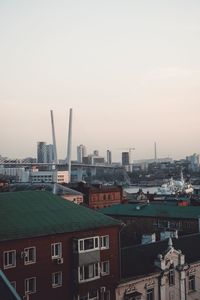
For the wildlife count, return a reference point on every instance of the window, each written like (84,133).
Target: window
(57,279)
(88,244)
(191,283)
(9,259)
(150,294)
(89,272)
(171,277)
(30,285)
(56,250)
(105,242)
(93,295)
(29,255)
(105,268)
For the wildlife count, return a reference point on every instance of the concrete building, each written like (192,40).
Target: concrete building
(96,152)
(125,159)
(34,175)
(50,153)
(20,174)
(93,160)
(109,157)
(37,176)
(41,152)
(161,271)
(97,160)
(81,152)
(54,249)
(194,162)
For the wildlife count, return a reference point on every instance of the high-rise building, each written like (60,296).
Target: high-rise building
(109,157)
(125,158)
(50,153)
(81,152)
(41,152)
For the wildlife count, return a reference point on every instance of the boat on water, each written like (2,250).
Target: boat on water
(174,187)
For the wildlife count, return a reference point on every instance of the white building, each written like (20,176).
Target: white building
(81,152)
(37,176)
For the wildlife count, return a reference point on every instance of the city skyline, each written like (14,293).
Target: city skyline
(130,70)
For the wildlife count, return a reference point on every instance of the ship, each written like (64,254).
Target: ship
(174,187)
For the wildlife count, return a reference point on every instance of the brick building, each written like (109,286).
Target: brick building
(99,196)
(151,218)
(51,248)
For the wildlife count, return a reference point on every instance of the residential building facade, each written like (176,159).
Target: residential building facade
(54,249)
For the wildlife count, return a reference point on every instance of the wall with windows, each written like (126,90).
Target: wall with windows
(104,198)
(145,288)
(46,267)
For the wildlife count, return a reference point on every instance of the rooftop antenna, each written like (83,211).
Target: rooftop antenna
(69,144)
(155,152)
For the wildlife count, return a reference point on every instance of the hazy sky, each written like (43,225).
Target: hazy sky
(130,69)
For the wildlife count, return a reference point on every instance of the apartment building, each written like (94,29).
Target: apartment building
(51,248)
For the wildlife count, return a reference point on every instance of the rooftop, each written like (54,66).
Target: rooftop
(139,260)
(153,210)
(38,213)
(60,189)
(97,188)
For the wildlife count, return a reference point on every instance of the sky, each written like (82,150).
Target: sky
(129,69)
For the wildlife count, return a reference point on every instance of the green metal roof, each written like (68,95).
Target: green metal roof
(153,210)
(37,213)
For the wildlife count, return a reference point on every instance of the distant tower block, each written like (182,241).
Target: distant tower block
(109,157)
(69,145)
(125,159)
(50,153)
(54,140)
(41,152)
(81,152)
